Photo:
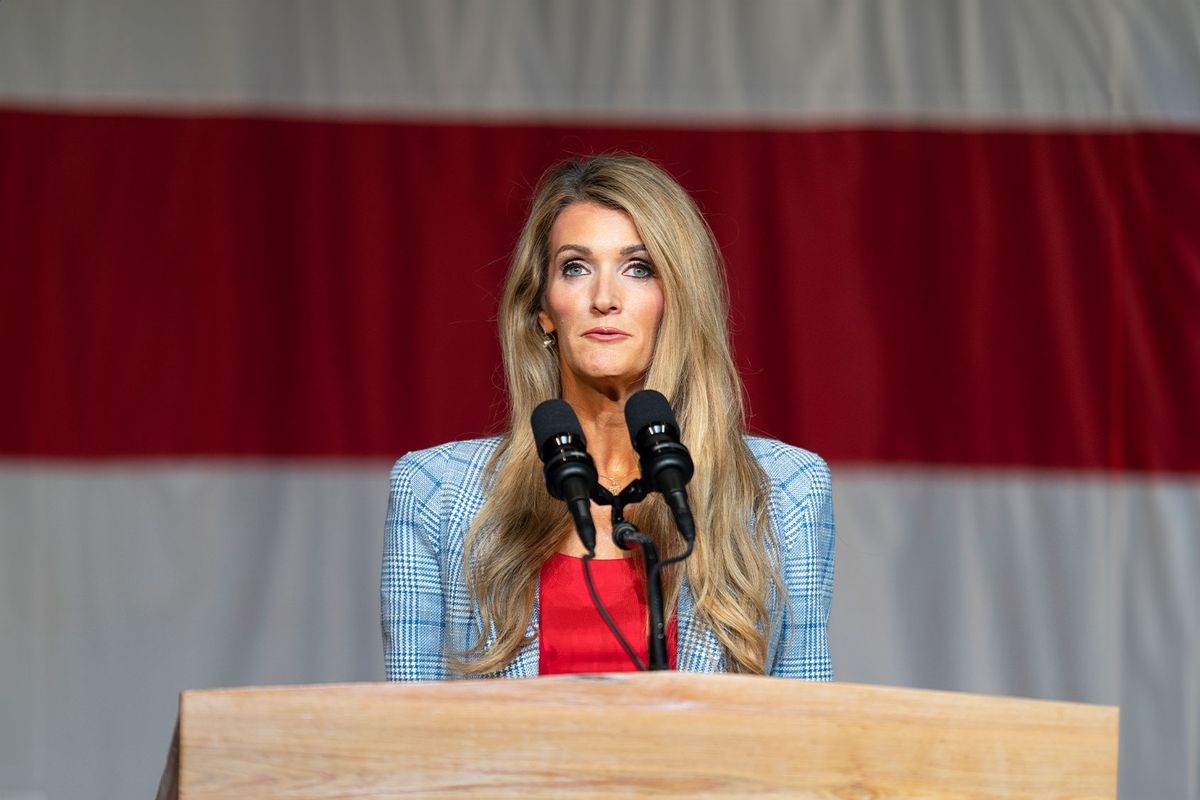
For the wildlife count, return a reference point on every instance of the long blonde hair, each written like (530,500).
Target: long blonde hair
(731,572)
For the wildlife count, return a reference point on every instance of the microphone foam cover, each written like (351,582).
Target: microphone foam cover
(552,418)
(646,408)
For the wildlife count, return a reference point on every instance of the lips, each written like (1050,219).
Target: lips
(605,334)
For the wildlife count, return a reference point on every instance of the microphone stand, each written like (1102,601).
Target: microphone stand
(626,536)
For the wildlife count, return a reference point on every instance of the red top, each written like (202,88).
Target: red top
(573,637)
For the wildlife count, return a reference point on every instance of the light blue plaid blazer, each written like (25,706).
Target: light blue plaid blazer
(426,612)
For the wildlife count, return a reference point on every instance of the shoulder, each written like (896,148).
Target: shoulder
(801,493)
(452,462)
(439,488)
(442,480)
(790,468)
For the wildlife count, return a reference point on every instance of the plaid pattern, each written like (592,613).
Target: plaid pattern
(435,494)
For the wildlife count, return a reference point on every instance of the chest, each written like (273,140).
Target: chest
(569,544)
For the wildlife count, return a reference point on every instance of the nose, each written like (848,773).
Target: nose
(606,293)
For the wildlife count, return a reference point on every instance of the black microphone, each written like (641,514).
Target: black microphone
(569,471)
(666,464)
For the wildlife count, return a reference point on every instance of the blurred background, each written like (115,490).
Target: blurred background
(250,253)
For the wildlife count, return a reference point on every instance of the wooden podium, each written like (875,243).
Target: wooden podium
(634,734)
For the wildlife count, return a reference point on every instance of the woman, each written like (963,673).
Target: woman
(615,286)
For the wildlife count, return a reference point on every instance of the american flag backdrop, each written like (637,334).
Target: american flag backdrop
(251,252)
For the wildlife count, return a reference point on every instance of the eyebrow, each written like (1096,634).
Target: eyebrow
(625,251)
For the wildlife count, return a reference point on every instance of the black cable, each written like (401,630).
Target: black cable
(652,574)
(667,562)
(612,626)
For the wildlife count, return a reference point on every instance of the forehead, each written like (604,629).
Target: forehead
(593,227)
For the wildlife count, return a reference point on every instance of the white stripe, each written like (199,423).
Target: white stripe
(122,583)
(1051,585)
(713,62)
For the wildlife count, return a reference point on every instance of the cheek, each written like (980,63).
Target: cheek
(555,305)
(654,310)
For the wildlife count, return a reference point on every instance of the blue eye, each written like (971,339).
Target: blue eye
(573,269)
(640,269)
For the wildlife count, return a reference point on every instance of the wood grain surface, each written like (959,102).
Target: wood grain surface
(647,734)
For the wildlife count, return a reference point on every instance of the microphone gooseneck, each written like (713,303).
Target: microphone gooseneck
(568,469)
(665,462)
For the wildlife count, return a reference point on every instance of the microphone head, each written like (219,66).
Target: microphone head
(648,407)
(556,430)
(560,443)
(553,418)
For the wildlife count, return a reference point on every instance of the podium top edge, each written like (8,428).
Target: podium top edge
(635,680)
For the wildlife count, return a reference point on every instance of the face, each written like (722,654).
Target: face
(603,299)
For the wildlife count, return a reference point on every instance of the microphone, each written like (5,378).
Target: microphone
(665,463)
(569,471)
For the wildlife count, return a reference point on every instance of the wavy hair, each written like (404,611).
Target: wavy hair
(731,572)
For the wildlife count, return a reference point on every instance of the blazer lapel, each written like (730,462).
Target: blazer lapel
(525,665)
(699,650)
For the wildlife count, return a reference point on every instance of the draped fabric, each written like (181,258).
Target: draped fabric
(251,253)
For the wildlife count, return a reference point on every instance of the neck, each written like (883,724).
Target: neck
(602,416)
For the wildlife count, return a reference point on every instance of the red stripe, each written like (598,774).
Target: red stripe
(251,286)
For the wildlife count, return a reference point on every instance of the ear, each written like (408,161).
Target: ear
(545,322)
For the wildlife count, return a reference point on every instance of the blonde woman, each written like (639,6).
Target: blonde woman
(616,285)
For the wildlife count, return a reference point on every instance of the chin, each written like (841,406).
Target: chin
(607,372)
(608,369)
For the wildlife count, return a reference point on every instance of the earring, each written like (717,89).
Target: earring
(549,340)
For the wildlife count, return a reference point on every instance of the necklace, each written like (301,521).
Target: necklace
(614,484)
